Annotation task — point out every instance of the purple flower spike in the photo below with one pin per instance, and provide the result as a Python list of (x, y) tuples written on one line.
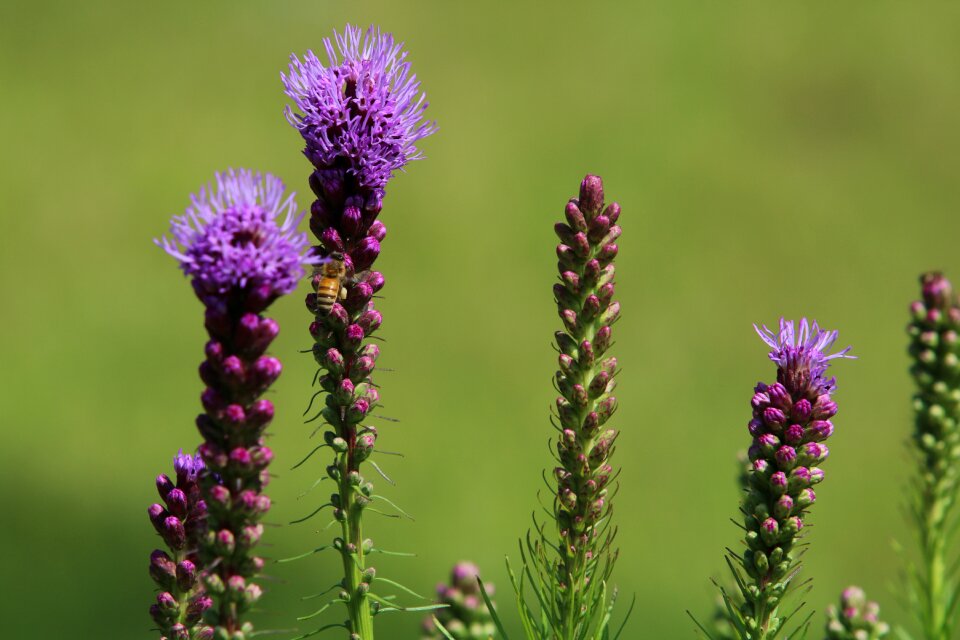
[(363, 109), (239, 244), (466, 616), (795, 410), (360, 114), (177, 571)]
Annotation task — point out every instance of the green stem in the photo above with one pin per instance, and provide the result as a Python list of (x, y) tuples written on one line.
[(934, 557), (361, 618)]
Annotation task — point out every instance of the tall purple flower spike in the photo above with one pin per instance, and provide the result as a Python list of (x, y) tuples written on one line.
[(181, 522), (361, 116), (791, 422), (239, 245)]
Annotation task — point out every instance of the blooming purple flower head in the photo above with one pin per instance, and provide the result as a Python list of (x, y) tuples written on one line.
[(231, 238), (364, 111), (187, 466), (802, 357)]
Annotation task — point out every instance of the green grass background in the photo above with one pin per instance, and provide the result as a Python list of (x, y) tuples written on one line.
[(770, 159)]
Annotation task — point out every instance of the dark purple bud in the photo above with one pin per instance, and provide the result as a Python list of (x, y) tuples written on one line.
[(157, 515), (164, 485), (580, 244), (779, 396), (186, 575), (350, 221), (607, 253), (365, 253), (612, 212), (591, 195), (211, 400), (564, 232), (195, 610), (755, 427), (173, 532), (232, 369), (601, 341), (598, 386), (760, 400), (359, 296), (598, 228), (176, 501), (162, 569), (167, 604)]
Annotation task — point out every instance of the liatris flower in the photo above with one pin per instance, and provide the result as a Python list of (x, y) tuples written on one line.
[(181, 522), (240, 257), (360, 117), (855, 619), (574, 562), (466, 616), (791, 421), (935, 350)]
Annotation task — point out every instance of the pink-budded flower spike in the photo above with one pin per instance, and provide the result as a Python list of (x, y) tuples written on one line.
[(360, 113), (573, 557), (238, 244), (935, 366), (856, 618), (180, 520), (465, 615), (792, 418)]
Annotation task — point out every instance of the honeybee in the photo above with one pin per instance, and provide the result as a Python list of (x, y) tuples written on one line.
[(328, 279)]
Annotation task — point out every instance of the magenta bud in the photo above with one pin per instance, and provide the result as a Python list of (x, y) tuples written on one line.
[(176, 501), (569, 317), (760, 400), (261, 456), (350, 221), (195, 610), (601, 341), (353, 335), (225, 543), (770, 530), (157, 515), (802, 410), (250, 536), (813, 453), (778, 483), (378, 231), (779, 396), (365, 253), (362, 368), (824, 408), (358, 296), (266, 370), (375, 280), (591, 195), (816, 475), (598, 386), (774, 418), (261, 413), (820, 430), (598, 227), (768, 443), (358, 411), (607, 253), (331, 240), (220, 494), (168, 604), (786, 457), (761, 466), (783, 506), (575, 217), (234, 415), (612, 212), (793, 434), (806, 497), (240, 456), (173, 532), (792, 526), (580, 244), (364, 448), (370, 321)]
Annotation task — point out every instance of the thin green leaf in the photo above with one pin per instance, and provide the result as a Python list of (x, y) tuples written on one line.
[(493, 611), (304, 555)]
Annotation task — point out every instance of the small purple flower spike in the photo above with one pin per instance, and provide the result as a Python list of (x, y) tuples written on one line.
[(240, 236), (181, 522), (466, 616), (791, 420), (362, 110), (239, 245)]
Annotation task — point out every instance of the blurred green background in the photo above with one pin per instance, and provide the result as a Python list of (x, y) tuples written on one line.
[(770, 160)]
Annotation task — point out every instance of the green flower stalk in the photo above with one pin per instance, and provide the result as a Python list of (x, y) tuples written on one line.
[(855, 618), (466, 615), (568, 564), (935, 351)]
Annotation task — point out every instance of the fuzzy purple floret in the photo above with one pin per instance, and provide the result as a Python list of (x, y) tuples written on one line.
[(187, 466), (803, 353), (240, 234), (363, 111)]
